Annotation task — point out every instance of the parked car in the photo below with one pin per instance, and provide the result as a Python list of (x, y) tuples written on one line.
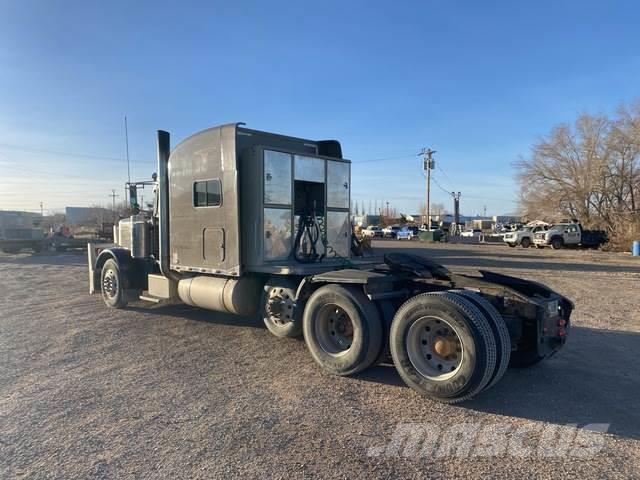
[(390, 232), (569, 235), (404, 234), (523, 236), (471, 232), (372, 231)]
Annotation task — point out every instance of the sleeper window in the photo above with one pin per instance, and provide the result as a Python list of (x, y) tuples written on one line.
[(207, 193)]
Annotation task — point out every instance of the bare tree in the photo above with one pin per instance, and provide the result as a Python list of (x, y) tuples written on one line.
[(588, 171), (437, 209)]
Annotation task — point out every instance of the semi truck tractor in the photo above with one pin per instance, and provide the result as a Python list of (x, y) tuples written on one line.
[(249, 222)]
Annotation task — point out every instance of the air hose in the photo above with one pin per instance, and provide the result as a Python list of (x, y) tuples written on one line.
[(304, 246)]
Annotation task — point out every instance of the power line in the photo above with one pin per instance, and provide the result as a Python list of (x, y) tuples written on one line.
[(445, 174), (448, 192), (386, 158), (67, 154), (52, 174)]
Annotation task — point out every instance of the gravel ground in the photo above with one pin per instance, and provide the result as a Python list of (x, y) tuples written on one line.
[(171, 391)]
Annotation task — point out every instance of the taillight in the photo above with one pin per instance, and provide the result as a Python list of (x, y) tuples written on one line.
[(561, 330)]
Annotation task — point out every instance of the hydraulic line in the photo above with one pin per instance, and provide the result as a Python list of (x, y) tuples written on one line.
[(304, 246)]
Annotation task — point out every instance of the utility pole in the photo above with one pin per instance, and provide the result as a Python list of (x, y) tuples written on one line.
[(126, 141), (41, 209), (113, 196), (428, 165), (456, 208)]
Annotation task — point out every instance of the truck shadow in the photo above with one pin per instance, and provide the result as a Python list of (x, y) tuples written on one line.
[(594, 379), (187, 312)]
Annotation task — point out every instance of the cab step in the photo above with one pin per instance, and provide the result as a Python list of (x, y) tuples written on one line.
[(147, 297)]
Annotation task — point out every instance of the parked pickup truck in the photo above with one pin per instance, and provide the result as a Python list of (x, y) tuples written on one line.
[(372, 231), (523, 237), (569, 235)]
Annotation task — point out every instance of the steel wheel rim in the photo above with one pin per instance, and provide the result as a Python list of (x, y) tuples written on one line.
[(110, 283), (333, 329), (435, 348)]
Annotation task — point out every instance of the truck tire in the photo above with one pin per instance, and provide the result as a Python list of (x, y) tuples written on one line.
[(387, 311), (500, 332), (113, 285), (443, 346), (342, 329), (281, 313), (526, 242), (557, 243)]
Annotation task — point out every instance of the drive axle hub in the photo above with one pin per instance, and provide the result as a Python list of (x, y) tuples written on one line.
[(280, 305)]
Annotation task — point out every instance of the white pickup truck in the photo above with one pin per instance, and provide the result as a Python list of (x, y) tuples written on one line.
[(523, 237), (372, 231), (569, 235)]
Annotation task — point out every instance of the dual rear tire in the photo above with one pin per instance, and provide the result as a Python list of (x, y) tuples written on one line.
[(449, 346), (343, 329)]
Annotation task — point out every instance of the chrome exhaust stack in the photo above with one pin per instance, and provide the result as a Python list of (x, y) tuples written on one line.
[(164, 150)]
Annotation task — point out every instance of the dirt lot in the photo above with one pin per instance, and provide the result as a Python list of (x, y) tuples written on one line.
[(151, 392)]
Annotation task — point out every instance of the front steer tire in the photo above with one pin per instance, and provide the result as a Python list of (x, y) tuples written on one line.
[(342, 329), (113, 285), (422, 323)]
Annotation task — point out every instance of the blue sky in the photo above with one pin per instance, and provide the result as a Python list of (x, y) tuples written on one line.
[(477, 81)]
